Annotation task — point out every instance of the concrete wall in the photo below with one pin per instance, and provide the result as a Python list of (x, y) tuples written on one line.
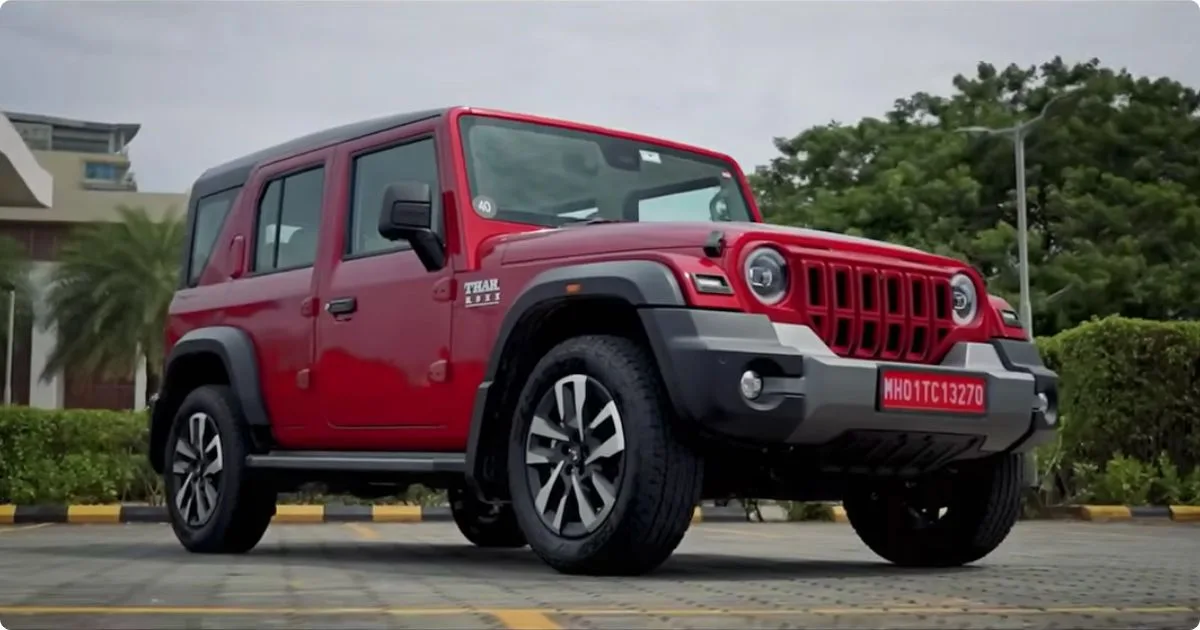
[(23, 180), (73, 202)]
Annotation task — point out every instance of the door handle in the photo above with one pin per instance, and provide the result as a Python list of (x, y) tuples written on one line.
[(341, 306)]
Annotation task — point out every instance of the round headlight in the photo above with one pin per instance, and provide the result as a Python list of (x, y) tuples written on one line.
[(965, 300), (767, 275)]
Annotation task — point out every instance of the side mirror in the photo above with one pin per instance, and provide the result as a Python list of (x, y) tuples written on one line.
[(407, 215)]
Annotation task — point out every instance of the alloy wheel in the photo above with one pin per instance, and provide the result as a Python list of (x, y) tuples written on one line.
[(574, 455), (197, 467)]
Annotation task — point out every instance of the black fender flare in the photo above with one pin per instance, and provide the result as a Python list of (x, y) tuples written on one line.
[(639, 283), (235, 350)]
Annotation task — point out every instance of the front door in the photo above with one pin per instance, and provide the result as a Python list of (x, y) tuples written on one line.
[(382, 337)]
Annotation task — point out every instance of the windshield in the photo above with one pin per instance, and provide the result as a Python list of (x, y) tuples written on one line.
[(543, 175)]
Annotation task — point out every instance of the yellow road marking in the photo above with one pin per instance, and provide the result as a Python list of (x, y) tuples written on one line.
[(886, 610), (529, 618), (224, 610), (9, 530), (525, 620), (362, 531)]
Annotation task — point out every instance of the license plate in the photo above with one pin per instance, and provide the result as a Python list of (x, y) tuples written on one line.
[(931, 391)]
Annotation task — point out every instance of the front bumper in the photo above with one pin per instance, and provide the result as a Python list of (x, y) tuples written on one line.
[(811, 396)]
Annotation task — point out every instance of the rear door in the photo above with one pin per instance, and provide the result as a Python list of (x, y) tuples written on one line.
[(382, 352), (274, 300)]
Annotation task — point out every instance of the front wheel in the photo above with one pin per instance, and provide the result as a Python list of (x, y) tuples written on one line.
[(948, 520), (214, 502), (599, 482)]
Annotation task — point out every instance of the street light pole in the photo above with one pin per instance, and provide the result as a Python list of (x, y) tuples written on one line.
[(1018, 133), (1023, 233), (8, 359)]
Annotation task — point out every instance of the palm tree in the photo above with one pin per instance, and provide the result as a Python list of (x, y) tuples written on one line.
[(109, 296)]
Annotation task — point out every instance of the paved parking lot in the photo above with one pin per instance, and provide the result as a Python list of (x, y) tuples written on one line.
[(1048, 575)]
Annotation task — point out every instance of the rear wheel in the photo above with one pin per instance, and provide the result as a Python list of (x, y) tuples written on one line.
[(485, 524), (599, 482), (214, 502), (944, 521)]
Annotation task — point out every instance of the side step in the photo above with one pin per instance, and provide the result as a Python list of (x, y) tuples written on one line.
[(360, 461)]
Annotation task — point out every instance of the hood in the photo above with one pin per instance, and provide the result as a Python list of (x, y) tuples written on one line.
[(585, 240)]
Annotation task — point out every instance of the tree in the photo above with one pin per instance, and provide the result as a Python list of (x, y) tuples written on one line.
[(110, 293), (1113, 187)]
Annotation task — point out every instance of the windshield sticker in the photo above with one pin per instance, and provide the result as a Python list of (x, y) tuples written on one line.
[(650, 156), (484, 206), (726, 175)]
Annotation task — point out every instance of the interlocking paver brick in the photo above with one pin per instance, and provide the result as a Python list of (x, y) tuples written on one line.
[(763, 575)]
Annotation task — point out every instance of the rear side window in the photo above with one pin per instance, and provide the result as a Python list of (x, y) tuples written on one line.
[(289, 216), (211, 212)]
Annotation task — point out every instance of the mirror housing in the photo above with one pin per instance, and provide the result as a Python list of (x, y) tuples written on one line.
[(407, 215)]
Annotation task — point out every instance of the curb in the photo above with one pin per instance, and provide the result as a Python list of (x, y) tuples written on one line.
[(337, 513), (292, 514), (1106, 513)]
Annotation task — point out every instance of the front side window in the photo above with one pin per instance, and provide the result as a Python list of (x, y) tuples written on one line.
[(372, 173), (543, 175), (289, 215), (210, 218)]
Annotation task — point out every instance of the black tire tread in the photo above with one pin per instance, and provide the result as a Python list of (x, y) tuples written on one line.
[(241, 522), (670, 473), (986, 506)]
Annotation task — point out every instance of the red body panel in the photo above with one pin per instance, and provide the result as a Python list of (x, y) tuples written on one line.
[(401, 373)]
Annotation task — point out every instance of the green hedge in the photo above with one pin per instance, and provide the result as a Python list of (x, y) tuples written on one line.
[(1130, 432), (1130, 413), (86, 456), (74, 456)]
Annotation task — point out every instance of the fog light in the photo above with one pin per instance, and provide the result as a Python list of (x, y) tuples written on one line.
[(1043, 405), (751, 384)]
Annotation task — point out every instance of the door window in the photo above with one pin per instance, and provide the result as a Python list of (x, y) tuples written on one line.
[(289, 218), (372, 172)]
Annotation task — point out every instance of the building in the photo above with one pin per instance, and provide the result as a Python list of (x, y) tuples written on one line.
[(80, 173)]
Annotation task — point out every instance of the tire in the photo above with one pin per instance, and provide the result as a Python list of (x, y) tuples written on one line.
[(483, 524), (982, 502), (243, 507), (646, 491)]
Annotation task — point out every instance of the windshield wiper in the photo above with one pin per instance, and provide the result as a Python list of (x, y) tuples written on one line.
[(592, 221)]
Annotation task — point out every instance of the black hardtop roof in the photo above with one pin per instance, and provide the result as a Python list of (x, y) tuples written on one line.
[(236, 172)]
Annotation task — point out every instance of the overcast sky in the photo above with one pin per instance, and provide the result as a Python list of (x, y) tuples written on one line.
[(209, 81)]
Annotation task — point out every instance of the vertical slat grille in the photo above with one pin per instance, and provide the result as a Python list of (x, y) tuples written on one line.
[(876, 312)]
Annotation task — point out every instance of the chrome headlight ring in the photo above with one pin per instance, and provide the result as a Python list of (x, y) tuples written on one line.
[(767, 275), (965, 299)]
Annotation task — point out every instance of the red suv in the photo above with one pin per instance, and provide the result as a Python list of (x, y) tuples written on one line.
[(580, 333)]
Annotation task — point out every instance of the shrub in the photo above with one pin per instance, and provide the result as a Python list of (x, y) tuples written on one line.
[(82, 456), (76, 456), (808, 511), (1130, 390)]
